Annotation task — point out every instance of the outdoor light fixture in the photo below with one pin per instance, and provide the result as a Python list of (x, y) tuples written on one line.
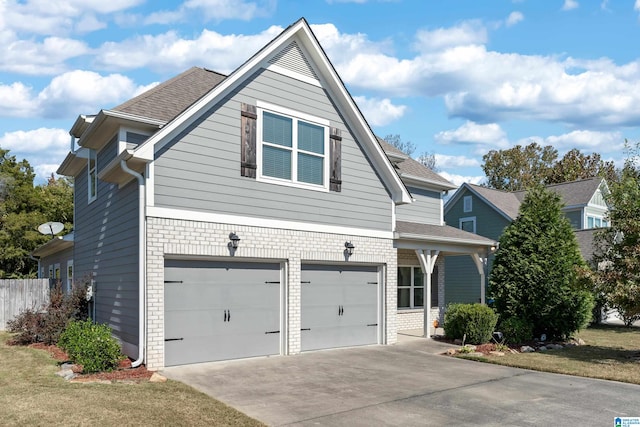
[(349, 248), (235, 240)]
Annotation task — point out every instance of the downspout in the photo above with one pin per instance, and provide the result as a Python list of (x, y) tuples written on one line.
[(141, 262)]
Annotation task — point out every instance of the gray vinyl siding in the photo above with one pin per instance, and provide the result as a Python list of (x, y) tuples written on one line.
[(135, 139), (462, 281), (424, 210), (106, 248), (200, 169), (575, 218), (108, 153)]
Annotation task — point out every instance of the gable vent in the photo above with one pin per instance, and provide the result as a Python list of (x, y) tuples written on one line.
[(292, 58)]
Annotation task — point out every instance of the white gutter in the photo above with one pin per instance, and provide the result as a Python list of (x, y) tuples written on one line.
[(141, 262)]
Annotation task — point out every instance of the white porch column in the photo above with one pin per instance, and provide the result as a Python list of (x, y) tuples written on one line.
[(427, 260), (480, 263)]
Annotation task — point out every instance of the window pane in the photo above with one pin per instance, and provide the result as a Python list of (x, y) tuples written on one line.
[(418, 277), (404, 298), (404, 276), (276, 129), (598, 222), (418, 297), (276, 162), (468, 226), (590, 222), (310, 137), (310, 169)]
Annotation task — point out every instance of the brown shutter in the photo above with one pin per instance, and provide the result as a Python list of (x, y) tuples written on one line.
[(248, 119), (335, 152)]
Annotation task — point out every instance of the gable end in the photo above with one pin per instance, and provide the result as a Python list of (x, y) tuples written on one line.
[(293, 59)]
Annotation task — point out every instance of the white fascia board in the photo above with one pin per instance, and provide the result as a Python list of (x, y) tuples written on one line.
[(425, 182), (171, 213), (440, 239)]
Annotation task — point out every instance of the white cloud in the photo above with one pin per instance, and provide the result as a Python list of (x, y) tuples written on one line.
[(448, 162), (570, 5), (67, 95), (637, 5), (379, 112), (209, 10), (472, 133), (467, 33), (169, 52), (514, 18), (47, 17), (588, 141), (461, 179), (44, 148), (38, 57)]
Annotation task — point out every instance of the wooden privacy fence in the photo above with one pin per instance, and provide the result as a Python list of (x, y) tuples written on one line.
[(17, 295)]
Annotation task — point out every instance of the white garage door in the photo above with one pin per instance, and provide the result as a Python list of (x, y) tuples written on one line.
[(220, 310), (339, 306)]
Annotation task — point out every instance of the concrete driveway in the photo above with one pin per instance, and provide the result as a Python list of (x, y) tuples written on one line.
[(405, 385)]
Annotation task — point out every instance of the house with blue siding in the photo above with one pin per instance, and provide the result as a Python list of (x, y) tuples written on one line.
[(486, 212), (256, 214)]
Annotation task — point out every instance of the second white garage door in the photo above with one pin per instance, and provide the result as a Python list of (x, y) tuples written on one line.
[(340, 306)]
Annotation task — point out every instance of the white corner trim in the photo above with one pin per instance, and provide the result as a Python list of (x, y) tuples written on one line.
[(171, 213), (149, 187)]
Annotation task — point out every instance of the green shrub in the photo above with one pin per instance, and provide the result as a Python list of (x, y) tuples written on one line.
[(91, 345), (476, 321), (47, 324), (516, 330)]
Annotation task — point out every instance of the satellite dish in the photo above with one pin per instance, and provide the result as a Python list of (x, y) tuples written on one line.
[(51, 228)]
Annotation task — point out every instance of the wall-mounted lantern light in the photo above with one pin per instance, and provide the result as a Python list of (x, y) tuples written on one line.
[(348, 248), (235, 240)]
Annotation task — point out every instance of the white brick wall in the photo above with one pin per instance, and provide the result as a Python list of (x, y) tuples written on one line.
[(167, 237)]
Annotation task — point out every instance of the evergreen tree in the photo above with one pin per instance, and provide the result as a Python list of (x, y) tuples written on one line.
[(534, 276)]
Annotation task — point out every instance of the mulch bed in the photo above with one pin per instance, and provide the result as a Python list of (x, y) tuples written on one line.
[(124, 372)]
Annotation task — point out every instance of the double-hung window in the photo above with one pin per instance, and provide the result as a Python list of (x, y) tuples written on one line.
[(411, 284), (293, 148)]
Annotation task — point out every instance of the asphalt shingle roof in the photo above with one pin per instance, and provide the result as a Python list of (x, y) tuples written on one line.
[(440, 231), (168, 99), (411, 166), (503, 200)]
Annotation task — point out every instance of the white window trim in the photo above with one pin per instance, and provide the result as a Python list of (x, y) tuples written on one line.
[(595, 217), (295, 115), (468, 208), (412, 305), (92, 197), (468, 219), (69, 276)]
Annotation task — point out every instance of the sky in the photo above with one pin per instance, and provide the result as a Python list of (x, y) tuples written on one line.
[(457, 78)]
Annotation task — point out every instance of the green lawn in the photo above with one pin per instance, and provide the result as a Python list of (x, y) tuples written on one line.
[(31, 394), (610, 353)]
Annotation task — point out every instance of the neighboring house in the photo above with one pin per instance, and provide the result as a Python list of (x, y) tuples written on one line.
[(254, 214), (487, 212)]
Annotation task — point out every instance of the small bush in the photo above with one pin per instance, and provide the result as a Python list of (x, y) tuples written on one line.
[(516, 330), (47, 324), (91, 345), (476, 321)]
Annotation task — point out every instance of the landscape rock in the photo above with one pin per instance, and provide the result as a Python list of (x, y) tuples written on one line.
[(67, 374), (554, 346), (157, 378), (496, 353), (542, 348), (451, 351), (526, 349)]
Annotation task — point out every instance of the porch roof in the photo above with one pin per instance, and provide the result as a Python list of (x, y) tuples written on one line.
[(444, 238)]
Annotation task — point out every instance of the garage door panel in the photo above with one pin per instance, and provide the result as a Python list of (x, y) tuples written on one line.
[(220, 310), (339, 306)]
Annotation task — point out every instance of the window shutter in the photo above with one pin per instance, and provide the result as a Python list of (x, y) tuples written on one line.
[(335, 150), (248, 117)]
